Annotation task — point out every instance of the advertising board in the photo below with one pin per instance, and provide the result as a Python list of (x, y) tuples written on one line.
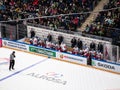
[(71, 58), (16, 45), (42, 51), (106, 66)]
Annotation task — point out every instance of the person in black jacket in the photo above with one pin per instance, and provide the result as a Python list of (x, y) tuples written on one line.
[(89, 59), (79, 44), (60, 39), (32, 32), (49, 37), (100, 47), (12, 61), (92, 46), (73, 42)]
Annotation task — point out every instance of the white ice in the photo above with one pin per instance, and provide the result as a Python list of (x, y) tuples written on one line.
[(34, 72)]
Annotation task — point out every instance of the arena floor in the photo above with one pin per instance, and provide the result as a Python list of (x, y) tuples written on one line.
[(34, 72)]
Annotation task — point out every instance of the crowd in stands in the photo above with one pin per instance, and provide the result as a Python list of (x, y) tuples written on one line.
[(107, 22), (21, 9), (77, 46)]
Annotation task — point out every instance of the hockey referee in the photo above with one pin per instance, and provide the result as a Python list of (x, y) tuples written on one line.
[(12, 61)]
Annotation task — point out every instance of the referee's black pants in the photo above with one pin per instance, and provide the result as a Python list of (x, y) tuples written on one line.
[(12, 63)]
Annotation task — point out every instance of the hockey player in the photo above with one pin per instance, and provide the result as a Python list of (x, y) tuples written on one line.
[(63, 47), (75, 50), (48, 44)]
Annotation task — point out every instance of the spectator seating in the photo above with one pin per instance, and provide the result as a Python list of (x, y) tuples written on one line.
[(21, 9), (107, 23)]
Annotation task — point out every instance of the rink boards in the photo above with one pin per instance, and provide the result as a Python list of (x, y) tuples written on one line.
[(102, 65)]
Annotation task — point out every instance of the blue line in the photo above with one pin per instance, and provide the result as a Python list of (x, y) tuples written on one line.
[(22, 70)]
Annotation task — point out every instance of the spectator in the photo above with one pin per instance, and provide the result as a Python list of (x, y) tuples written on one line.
[(87, 29)]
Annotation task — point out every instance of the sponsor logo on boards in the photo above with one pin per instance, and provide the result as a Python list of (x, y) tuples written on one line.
[(106, 66)]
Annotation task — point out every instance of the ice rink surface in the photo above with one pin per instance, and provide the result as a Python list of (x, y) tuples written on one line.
[(34, 72)]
